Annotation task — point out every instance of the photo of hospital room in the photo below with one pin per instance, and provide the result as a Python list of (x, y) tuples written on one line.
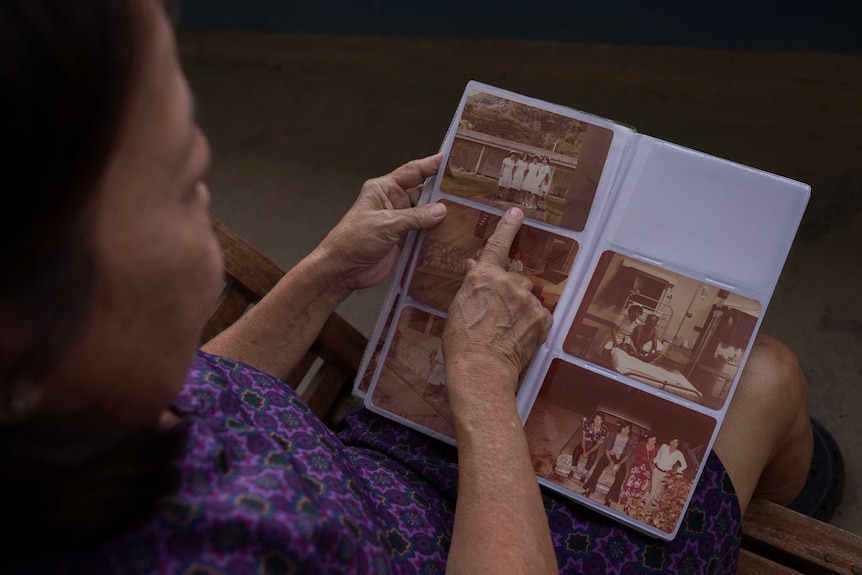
[(663, 329), (542, 257)]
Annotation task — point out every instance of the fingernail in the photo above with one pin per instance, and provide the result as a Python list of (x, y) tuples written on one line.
[(437, 209)]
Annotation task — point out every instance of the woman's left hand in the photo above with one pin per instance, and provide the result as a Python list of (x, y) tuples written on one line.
[(364, 246), (358, 253)]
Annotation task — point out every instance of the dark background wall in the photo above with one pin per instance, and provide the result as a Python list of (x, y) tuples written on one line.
[(773, 25)]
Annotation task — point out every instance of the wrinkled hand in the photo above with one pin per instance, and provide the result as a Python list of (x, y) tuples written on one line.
[(365, 244), (494, 320)]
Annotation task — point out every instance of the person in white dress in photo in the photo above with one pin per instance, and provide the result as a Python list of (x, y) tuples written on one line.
[(545, 172), (531, 183), (668, 460), (505, 182), (518, 178)]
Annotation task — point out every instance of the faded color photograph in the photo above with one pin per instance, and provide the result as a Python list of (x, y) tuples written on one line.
[(664, 329), (368, 373), (542, 257), (412, 381), (506, 153), (616, 445)]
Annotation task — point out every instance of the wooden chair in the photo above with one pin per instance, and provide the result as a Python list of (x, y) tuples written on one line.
[(776, 540)]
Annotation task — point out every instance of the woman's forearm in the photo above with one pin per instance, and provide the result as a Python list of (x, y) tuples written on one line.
[(500, 522), (358, 252), (274, 334)]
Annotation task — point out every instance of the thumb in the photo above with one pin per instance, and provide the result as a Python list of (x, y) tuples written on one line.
[(422, 217)]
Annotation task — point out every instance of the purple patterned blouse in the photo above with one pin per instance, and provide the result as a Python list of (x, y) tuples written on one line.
[(268, 488)]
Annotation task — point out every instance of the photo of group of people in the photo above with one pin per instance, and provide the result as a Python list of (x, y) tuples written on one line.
[(617, 445), (542, 257), (508, 153), (525, 180), (663, 329)]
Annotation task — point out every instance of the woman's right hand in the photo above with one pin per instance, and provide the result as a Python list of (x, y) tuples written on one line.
[(493, 329), (495, 323)]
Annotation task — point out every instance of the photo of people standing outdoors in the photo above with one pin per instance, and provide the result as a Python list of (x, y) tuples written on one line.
[(509, 153), (615, 445)]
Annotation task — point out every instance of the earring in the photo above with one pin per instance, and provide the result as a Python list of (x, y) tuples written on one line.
[(19, 402), (17, 405)]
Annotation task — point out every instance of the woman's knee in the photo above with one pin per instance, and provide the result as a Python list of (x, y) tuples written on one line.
[(765, 439), (773, 378)]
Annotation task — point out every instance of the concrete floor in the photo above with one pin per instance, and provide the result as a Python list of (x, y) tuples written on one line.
[(297, 123)]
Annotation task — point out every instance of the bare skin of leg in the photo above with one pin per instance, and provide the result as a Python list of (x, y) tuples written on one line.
[(766, 440)]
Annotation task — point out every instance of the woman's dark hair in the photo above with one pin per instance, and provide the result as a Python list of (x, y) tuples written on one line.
[(67, 68), (65, 75)]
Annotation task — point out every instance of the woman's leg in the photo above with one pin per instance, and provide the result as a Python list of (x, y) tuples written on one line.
[(765, 441)]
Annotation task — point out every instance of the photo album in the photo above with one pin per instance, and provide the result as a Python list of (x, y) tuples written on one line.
[(657, 262)]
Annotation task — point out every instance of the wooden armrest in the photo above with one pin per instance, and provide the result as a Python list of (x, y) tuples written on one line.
[(776, 539), (329, 366)]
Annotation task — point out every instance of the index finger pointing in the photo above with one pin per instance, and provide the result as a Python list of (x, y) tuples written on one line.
[(497, 249)]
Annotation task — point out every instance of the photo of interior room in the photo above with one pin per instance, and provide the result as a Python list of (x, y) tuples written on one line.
[(545, 258), (696, 334)]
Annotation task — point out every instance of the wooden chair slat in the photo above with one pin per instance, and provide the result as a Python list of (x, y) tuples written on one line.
[(325, 388), (341, 341), (752, 564), (233, 303), (301, 370), (244, 262), (794, 539)]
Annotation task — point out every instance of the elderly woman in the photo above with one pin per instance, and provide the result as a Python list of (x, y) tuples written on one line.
[(127, 449)]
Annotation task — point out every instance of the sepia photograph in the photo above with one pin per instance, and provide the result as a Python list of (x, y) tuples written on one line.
[(371, 367), (617, 445), (542, 257), (412, 380), (663, 329), (507, 153)]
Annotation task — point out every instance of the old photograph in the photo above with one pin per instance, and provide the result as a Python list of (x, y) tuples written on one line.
[(412, 380), (617, 445), (509, 153), (663, 328), (542, 257)]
